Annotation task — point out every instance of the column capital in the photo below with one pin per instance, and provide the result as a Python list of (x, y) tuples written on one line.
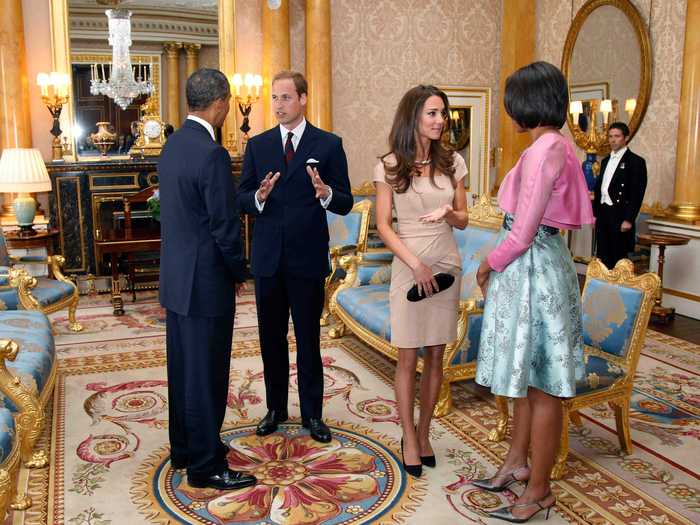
[(192, 49), (172, 48)]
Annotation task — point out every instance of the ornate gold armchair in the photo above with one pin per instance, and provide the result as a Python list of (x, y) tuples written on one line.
[(616, 309), (46, 294), (348, 234)]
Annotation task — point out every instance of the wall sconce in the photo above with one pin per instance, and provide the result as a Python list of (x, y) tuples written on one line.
[(630, 106), (54, 93), (251, 85)]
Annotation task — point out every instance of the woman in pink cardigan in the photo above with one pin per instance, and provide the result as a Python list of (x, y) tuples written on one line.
[(531, 345)]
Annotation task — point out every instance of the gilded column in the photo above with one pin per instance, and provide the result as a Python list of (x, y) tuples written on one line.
[(686, 198), (15, 123), (227, 64), (517, 50), (192, 55), (172, 56), (276, 50), (318, 63)]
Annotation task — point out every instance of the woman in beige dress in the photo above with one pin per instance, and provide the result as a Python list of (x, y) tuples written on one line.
[(422, 181)]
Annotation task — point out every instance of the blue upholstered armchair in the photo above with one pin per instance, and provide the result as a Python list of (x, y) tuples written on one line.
[(19, 290), (616, 309), (348, 235)]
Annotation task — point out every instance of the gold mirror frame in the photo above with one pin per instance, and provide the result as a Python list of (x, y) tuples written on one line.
[(61, 58), (640, 30)]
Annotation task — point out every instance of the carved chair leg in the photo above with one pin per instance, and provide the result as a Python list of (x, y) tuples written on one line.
[(575, 417), (622, 422), (499, 433), (560, 460), (444, 402), (74, 325), (337, 331)]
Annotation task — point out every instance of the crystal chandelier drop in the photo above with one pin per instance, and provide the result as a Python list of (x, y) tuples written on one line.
[(121, 85)]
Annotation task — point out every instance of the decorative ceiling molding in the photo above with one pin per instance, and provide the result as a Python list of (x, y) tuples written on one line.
[(200, 26)]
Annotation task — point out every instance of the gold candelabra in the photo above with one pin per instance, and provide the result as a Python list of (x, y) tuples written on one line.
[(251, 84), (54, 93), (594, 138)]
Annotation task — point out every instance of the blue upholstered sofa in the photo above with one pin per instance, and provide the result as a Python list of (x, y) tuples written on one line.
[(27, 374), (361, 302)]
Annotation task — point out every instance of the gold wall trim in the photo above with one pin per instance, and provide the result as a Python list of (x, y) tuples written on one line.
[(640, 30), (682, 295), (132, 184), (81, 220)]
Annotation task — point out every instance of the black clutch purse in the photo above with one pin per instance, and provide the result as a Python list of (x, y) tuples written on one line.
[(444, 281)]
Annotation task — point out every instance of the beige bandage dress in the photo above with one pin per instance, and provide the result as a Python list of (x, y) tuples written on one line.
[(432, 321)]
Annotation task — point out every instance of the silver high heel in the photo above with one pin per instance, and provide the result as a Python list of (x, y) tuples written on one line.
[(506, 513), (486, 484)]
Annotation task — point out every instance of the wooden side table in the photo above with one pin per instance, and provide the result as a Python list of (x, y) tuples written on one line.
[(662, 313), (42, 239)]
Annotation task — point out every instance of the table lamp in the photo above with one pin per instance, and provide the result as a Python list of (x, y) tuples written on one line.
[(22, 171)]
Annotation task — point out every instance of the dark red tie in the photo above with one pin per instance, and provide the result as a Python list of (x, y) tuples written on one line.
[(289, 148)]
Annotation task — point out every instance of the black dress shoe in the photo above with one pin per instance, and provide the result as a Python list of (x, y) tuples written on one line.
[(225, 480), (269, 423), (318, 430)]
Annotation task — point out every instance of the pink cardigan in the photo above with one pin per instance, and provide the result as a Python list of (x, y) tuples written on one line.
[(546, 186)]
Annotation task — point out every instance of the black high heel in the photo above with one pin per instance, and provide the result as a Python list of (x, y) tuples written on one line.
[(413, 470), (428, 461)]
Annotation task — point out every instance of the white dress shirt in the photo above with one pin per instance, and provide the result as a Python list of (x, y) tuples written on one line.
[(204, 123), (296, 138), (610, 168)]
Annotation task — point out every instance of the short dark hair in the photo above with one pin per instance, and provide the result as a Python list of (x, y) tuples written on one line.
[(622, 127), (204, 87), (299, 81), (537, 95)]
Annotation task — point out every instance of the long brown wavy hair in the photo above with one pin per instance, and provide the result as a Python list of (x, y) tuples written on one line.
[(402, 141)]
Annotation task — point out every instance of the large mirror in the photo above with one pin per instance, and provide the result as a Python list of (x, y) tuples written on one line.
[(168, 38), (607, 63), (186, 28)]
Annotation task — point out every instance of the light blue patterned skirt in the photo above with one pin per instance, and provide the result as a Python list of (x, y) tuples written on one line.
[(531, 333)]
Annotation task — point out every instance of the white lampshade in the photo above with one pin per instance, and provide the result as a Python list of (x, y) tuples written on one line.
[(606, 106), (575, 107), (630, 104), (22, 170)]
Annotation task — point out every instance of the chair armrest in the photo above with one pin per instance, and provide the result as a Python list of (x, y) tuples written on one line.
[(20, 279), (30, 411), (337, 251), (55, 263)]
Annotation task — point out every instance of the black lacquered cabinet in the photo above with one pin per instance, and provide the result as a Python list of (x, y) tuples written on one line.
[(86, 197)]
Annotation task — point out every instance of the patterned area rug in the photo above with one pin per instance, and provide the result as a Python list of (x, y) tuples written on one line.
[(109, 454)]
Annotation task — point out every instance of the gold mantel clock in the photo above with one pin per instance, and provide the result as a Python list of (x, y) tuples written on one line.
[(151, 133)]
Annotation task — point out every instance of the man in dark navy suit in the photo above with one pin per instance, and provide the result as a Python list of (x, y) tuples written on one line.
[(618, 196), (292, 174), (201, 270)]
